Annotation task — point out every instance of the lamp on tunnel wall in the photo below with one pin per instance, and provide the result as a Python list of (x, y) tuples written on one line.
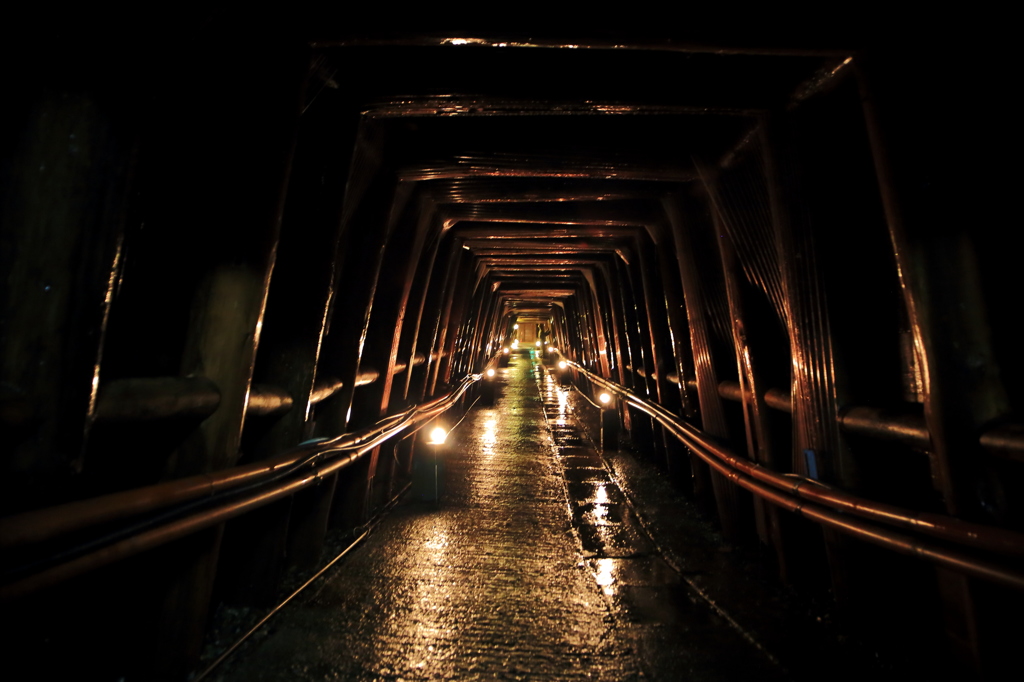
[(437, 436), (609, 422), (428, 466), (563, 372), (551, 355), (488, 387)]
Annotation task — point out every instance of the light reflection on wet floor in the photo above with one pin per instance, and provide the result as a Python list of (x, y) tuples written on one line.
[(503, 579)]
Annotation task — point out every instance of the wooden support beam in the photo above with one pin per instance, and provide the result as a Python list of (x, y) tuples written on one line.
[(64, 189), (712, 414), (941, 283), (236, 207)]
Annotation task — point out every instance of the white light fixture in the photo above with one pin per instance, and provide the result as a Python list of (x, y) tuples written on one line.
[(490, 372), (604, 398), (437, 436)]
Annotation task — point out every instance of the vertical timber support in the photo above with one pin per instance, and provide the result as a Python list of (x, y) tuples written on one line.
[(680, 467), (960, 381), (712, 414), (752, 388), (63, 201), (818, 450), (657, 296), (242, 210)]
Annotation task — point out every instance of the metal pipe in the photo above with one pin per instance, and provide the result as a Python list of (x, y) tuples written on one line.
[(325, 388), (400, 367), (937, 525), (367, 440), (366, 376), (774, 398), (778, 399), (1006, 441), (144, 399), (907, 426), (148, 540), (267, 400), (870, 532), (152, 398), (45, 524)]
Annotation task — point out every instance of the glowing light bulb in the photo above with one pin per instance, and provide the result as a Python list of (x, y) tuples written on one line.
[(505, 350), (562, 364), (490, 372), (437, 436), (605, 398)]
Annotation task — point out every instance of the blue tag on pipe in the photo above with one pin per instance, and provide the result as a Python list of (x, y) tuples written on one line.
[(811, 460)]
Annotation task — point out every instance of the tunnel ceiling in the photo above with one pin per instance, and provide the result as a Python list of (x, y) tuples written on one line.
[(546, 160)]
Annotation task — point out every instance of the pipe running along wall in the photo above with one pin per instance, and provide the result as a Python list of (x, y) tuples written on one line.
[(833, 508), (222, 496)]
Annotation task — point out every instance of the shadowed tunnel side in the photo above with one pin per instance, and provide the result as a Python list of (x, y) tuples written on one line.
[(244, 275)]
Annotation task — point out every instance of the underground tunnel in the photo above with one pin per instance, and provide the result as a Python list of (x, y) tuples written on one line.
[(714, 345)]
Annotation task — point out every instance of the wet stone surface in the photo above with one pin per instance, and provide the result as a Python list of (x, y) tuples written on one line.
[(531, 566)]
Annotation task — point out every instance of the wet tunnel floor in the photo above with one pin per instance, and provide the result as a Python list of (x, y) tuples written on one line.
[(532, 566)]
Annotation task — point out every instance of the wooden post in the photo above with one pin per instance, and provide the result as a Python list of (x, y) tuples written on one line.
[(655, 301), (682, 356), (237, 219), (752, 388), (940, 280), (818, 450), (712, 414), (300, 301), (63, 198)]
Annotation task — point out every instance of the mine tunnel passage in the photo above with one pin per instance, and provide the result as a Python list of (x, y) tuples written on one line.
[(498, 577), (246, 272)]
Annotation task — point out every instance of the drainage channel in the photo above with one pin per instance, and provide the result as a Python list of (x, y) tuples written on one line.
[(675, 630)]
